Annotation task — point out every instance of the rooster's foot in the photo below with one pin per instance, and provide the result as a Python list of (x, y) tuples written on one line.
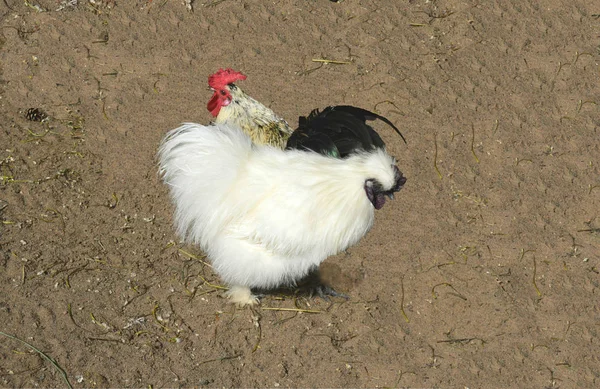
[(324, 292), (242, 296)]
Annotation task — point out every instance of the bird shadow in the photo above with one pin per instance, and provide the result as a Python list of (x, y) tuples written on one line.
[(312, 286)]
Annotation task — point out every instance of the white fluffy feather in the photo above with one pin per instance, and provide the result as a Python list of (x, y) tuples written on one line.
[(265, 216)]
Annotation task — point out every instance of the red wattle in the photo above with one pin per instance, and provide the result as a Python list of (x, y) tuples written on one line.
[(213, 105)]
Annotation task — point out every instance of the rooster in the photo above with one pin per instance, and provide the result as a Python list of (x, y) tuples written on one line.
[(266, 217), (230, 105)]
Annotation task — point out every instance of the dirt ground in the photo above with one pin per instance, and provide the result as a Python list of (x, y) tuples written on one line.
[(483, 273)]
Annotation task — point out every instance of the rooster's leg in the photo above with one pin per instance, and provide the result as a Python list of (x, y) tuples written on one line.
[(241, 295)]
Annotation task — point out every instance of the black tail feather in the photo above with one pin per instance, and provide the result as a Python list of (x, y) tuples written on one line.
[(368, 115), (338, 131)]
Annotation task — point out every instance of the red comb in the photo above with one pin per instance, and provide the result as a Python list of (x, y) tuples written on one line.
[(224, 77)]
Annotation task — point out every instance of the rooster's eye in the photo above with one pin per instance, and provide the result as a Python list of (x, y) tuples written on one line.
[(223, 93)]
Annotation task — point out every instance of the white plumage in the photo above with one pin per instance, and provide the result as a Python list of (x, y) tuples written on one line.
[(265, 216)]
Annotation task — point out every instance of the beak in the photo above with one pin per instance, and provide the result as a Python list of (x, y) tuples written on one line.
[(390, 195)]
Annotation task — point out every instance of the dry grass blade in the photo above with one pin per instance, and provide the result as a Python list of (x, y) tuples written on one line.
[(581, 103), (330, 61), (213, 3), (523, 252), (220, 359), (291, 310), (473, 143), (435, 154), (192, 256), (592, 230), (70, 312), (533, 278), (402, 301), (461, 340), (43, 355), (256, 317), (212, 285), (457, 293)]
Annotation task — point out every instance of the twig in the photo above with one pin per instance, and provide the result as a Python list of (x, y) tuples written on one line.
[(44, 355)]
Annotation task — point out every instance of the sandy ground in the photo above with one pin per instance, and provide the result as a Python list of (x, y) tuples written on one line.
[(483, 273)]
